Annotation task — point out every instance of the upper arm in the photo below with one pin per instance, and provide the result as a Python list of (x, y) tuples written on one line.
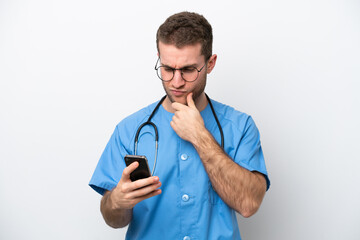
[(248, 151)]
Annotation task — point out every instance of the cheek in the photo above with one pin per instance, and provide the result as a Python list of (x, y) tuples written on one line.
[(200, 84), (194, 88), (165, 84)]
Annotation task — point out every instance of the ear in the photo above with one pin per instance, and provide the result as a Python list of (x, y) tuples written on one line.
[(211, 63), (158, 54)]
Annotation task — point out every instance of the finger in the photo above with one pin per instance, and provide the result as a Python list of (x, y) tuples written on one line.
[(144, 182), (177, 115), (144, 191), (132, 186), (173, 125), (190, 100), (129, 169), (177, 106), (152, 194)]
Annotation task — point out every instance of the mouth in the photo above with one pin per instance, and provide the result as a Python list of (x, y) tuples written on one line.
[(178, 93)]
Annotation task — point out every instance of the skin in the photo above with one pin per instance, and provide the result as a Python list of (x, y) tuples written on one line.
[(116, 205), (177, 89), (241, 189)]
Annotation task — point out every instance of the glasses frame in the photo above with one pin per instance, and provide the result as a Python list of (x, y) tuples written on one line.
[(180, 69)]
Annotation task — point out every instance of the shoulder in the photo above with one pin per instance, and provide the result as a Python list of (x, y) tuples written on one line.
[(230, 116)]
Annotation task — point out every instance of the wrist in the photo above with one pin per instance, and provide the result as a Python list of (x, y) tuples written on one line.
[(111, 200), (207, 147), (202, 140), (113, 203)]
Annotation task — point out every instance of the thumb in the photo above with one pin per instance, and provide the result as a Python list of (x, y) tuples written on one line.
[(128, 170), (190, 101)]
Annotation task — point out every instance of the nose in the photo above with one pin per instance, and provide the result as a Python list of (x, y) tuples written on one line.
[(177, 80)]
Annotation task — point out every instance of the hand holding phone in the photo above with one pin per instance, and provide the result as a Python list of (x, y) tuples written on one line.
[(142, 171), (128, 193)]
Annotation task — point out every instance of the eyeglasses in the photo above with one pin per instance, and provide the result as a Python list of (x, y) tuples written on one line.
[(166, 73)]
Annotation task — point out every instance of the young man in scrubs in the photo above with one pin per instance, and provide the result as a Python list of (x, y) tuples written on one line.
[(197, 186)]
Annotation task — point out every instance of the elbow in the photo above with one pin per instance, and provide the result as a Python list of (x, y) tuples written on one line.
[(249, 209), (116, 225), (250, 205), (247, 212)]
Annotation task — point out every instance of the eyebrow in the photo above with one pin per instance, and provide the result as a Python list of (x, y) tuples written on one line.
[(186, 66)]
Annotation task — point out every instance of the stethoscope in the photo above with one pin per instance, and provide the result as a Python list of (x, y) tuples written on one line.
[(149, 122)]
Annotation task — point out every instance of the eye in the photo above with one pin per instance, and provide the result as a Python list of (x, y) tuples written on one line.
[(167, 69), (188, 70)]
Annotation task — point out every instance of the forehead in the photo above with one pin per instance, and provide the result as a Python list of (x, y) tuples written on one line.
[(178, 57)]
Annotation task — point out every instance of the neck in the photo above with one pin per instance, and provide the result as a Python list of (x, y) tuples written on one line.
[(200, 103)]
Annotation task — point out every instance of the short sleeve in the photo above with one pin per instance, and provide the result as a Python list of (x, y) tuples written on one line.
[(109, 169), (249, 153)]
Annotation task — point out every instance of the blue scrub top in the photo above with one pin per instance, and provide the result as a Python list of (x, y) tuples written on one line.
[(188, 207)]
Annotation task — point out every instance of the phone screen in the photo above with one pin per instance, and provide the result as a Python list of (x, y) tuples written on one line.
[(142, 171)]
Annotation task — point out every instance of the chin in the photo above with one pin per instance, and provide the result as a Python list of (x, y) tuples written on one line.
[(181, 100)]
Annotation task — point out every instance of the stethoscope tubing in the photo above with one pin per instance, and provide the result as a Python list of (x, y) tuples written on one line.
[(149, 122)]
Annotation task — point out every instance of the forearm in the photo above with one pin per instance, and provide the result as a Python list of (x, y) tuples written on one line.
[(114, 217), (241, 189)]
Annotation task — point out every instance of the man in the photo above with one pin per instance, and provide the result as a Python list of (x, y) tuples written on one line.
[(197, 185)]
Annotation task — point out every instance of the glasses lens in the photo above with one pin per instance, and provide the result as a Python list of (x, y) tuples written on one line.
[(189, 74), (165, 73)]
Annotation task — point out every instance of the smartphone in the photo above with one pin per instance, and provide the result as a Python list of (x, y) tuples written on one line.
[(142, 171)]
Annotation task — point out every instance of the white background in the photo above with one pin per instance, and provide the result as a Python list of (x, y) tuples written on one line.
[(71, 70)]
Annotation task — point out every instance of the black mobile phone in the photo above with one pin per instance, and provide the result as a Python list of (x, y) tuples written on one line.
[(142, 171)]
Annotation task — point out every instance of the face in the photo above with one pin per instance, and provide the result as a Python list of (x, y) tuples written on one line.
[(177, 89)]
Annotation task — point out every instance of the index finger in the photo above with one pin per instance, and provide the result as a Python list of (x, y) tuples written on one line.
[(129, 169), (177, 106), (190, 100)]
